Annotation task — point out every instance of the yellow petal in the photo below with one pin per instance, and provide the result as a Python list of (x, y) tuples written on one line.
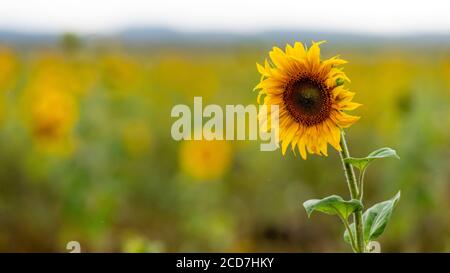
[(289, 136), (346, 120), (289, 49), (314, 53), (278, 57), (299, 50), (349, 105), (301, 148), (335, 135), (323, 148), (261, 69)]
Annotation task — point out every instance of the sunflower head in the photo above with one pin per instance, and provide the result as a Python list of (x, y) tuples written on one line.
[(311, 97), (205, 160)]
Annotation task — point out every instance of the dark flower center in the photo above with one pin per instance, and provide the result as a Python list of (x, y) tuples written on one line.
[(308, 101)]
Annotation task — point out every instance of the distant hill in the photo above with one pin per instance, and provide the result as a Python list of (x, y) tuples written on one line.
[(26, 37), (166, 35)]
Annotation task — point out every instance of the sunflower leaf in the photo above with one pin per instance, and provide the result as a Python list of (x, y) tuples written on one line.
[(375, 219), (347, 235), (362, 163), (333, 205)]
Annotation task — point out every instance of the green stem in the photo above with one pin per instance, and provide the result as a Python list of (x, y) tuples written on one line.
[(361, 183), (350, 233), (354, 192)]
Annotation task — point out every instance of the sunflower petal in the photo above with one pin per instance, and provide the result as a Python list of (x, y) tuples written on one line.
[(302, 149)]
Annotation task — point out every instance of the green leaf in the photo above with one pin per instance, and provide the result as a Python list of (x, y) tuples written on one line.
[(333, 205), (362, 163), (347, 236), (375, 219)]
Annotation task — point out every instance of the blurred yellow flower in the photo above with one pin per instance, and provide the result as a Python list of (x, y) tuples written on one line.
[(8, 68), (50, 101), (53, 114), (310, 95), (205, 160), (54, 71)]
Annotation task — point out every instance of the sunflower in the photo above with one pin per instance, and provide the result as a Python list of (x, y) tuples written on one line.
[(310, 95), (205, 160)]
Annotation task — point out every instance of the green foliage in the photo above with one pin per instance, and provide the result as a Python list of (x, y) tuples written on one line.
[(333, 205), (362, 163), (375, 219), (120, 178)]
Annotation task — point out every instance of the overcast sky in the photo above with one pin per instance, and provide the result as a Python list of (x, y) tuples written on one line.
[(94, 16)]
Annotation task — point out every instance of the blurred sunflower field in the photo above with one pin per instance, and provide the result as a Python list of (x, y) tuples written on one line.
[(86, 152)]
